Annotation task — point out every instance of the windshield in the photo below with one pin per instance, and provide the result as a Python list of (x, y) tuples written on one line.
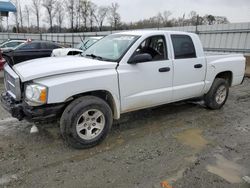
[(110, 48), (11, 44), (20, 45)]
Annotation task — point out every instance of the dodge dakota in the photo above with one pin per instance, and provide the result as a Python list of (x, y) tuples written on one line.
[(120, 73)]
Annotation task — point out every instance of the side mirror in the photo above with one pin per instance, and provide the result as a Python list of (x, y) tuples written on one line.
[(140, 58)]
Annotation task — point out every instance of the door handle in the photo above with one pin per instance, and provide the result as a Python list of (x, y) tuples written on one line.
[(164, 69), (198, 66)]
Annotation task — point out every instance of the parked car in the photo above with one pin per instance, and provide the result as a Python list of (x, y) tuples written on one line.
[(2, 61), (62, 52), (80, 48), (89, 41), (121, 73), (29, 50), (11, 43)]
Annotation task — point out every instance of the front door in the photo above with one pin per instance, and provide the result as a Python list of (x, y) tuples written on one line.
[(147, 84)]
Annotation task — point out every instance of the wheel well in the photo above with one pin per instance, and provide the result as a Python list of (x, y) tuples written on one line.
[(227, 75), (105, 95)]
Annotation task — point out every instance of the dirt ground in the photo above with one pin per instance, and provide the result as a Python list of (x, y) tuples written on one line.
[(182, 145)]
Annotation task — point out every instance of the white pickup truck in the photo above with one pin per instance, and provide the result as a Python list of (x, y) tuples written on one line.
[(120, 73)]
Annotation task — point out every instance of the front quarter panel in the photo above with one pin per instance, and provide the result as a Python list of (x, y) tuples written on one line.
[(63, 87)]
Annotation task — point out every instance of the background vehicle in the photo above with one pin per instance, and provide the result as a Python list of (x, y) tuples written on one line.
[(87, 42), (61, 52), (29, 50), (12, 43), (80, 48), (121, 73), (2, 61)]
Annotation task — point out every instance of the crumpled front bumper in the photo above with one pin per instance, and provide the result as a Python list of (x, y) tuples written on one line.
[(20, 110), (14, 108)]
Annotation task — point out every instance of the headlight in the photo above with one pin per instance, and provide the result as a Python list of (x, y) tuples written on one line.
[(36, 95)]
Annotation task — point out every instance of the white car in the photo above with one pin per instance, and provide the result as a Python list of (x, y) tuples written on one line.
[(62, 52), (121, 73), (80, 48)]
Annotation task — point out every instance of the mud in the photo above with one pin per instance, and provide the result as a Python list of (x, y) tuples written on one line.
[(229, 170), (183, 145)]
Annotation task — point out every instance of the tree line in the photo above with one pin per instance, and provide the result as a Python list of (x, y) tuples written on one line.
[(84, 15)]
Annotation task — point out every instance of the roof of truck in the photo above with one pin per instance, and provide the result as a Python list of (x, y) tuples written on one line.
[(146, 32)]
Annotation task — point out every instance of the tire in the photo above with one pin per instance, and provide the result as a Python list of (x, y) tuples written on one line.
[(218, 94), (86, 122)]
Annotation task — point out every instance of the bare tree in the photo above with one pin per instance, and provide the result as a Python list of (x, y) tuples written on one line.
[(166, 14), (36, 9), (59, 15), (92, 14), (193, 18), (159, 19), (221, 20), (71, 11), (85, 4), (101, 16), (27, 15), (16, 15), (49, 5), (78, 14), (114, 16)]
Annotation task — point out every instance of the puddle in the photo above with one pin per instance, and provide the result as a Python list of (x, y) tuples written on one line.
[(192, 138), (228, 170)]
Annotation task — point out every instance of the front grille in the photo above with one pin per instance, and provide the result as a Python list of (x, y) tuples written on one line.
[(12, 83)]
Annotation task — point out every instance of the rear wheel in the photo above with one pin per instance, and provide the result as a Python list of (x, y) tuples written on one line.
[(86, 122), (218, 94)]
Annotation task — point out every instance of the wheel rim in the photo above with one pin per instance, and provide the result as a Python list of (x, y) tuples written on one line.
[(221, 94), (90, 124)]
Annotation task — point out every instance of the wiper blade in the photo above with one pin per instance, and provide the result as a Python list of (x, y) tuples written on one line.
[(94, 56)]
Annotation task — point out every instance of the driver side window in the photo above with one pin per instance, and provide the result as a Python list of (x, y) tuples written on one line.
[(154, 46)]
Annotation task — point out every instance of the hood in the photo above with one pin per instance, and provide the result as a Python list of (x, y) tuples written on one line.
[(43, 67)]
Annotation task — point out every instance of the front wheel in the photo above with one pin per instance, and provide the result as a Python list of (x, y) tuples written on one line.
[(218, 94), (86, 122)]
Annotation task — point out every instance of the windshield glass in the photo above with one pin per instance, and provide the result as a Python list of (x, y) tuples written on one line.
[(20, 45), (110, 48)]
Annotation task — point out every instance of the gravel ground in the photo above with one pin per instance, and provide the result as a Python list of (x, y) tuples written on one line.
[(181, 145)]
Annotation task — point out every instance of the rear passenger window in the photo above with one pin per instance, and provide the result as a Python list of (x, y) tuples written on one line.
[(183, 47), (30, 46), (49, 46)]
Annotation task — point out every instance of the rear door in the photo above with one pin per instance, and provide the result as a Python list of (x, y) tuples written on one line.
[(189, 69)]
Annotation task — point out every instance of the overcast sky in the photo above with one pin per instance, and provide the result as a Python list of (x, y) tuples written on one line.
[(234, 10)]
